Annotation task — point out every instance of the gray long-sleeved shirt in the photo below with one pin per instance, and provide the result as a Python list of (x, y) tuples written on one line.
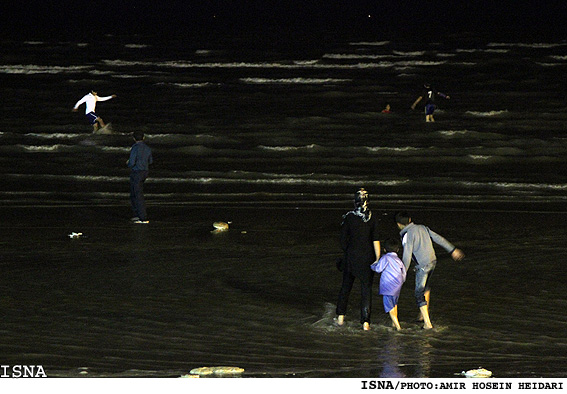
[(416, 240)]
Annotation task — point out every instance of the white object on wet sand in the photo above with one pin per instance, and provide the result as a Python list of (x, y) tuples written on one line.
[(220, 226), (216, 371), (477, 373)]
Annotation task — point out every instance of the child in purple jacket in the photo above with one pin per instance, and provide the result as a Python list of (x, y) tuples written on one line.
[(393, 275)]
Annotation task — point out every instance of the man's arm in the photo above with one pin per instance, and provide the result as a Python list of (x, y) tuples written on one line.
[(408, 251), (456, 254), (105, 98), (416, 102), (78, 103), (132, 160)]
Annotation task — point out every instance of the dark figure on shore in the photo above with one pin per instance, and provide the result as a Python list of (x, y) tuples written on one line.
[(417, 241), (139, 161), (359, 241)]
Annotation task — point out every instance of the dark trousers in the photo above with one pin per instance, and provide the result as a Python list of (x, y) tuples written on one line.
[(365, 293), (137, 179)]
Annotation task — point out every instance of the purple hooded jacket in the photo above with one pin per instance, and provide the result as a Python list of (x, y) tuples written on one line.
[(393, 274)]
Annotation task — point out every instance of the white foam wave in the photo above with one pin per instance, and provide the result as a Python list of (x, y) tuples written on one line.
[(54, 135), (236, 177), (392, 149), (135, 46), (482, 50), (487, 113), (367, 43), (351, 56), (63, 148), (314, 81), (128, 76), (115, 149), (410, 54), (288, 148), (49, 148), (190, 85), (29, 69), (517, 185), (452, 133), (267, 65), (305, 62), (526, 45)]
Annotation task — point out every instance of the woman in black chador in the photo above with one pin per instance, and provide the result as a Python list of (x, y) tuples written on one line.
[(359, 241)]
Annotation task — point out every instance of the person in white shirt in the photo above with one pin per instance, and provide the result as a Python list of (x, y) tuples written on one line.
[(90, 101)]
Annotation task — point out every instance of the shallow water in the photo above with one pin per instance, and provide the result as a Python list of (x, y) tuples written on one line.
[(276, 143), (162, 299)]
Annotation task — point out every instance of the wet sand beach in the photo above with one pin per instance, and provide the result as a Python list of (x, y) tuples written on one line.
[(158, 300)]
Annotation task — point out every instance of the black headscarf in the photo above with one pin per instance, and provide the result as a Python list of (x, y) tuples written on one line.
[(361, 205)]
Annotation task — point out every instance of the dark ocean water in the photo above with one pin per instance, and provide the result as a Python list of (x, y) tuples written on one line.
[(277, 142)]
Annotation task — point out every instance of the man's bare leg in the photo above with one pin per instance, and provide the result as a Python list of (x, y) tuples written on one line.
[(427, 295), (394, 316), (425, 312)]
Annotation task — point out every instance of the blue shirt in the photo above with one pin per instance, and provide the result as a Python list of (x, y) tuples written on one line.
[(140, 157)]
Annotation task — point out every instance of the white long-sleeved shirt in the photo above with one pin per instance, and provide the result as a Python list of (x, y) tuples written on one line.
[(90, 101)]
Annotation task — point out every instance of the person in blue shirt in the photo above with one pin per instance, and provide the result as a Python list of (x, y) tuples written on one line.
[(139, 161)]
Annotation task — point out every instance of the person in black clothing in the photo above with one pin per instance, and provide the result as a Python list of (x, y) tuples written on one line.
[(359, 241), (429, 94), (139, 161)]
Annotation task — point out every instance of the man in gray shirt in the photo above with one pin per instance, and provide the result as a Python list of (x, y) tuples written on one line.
[(417, 241)]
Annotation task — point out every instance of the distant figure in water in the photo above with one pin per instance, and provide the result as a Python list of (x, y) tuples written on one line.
[(387, 110), (139, 161), (417, 241), (429, 94), (361, 246), (90, 101), (393, 275)]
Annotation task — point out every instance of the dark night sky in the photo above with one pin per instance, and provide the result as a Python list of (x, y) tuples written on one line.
[(289, 19)]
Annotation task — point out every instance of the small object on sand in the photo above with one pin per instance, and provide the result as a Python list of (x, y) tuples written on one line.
[(477, 373), (203, 371), (220, 226), (75, 235)]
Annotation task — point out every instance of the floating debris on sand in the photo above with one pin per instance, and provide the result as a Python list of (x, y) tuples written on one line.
[(220, 226)]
